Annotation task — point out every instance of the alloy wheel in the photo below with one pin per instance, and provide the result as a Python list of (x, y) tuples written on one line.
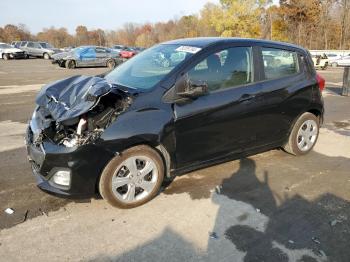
[(134, 179), (307, 135)]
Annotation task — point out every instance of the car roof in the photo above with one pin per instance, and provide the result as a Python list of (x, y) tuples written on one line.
[(206, 41)]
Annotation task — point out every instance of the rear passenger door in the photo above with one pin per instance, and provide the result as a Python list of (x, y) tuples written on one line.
[(29, 48), (101, 56), (226, 120), (287, 90), (38, 49)]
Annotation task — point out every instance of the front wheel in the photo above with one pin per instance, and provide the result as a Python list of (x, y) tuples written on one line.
[(70, 64), (46, 56), (334, 64), (304, 135), (5, 56), (110, 64), (133, 178)]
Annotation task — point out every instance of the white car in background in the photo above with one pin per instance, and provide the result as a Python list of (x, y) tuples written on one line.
[(343, 61), (8, 52)]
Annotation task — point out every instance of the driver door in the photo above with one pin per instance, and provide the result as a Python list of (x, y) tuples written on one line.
[(87, 57), (226, 120)]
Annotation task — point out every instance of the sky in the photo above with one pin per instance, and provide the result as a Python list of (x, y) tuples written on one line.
[(104, 14)]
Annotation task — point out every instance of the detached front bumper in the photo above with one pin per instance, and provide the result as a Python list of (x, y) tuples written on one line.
[(84, 163)]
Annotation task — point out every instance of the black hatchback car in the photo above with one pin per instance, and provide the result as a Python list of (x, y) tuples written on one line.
[(175, 107)]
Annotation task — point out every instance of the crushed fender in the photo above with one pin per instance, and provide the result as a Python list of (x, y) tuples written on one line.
[(76, 110)]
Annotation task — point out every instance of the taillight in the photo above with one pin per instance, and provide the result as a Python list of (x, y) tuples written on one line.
[(321, 82)]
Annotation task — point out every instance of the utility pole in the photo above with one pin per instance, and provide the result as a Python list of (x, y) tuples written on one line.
[(346, 81)]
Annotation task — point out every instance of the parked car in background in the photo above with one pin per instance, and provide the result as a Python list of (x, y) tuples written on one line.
[(7, 52), (320, 61), (220, 99), (37, 49), (87, 56), (119, 48), (128, 53), (343, 61)]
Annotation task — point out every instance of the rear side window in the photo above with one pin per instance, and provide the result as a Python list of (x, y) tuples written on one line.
[(279, 63), (30, 44), (101, 50)]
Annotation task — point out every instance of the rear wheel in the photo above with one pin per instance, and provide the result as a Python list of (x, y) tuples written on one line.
[(304, 135), (70, 64), (5, 56), (133, 178), (334, 64)]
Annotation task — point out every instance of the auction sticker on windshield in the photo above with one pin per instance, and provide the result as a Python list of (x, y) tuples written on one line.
[(188, 49)]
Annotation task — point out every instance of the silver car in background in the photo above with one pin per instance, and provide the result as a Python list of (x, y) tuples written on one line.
[(36, 49)]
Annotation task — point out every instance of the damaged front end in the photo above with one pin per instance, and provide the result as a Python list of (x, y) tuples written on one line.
[(62, 136), (75, 111)]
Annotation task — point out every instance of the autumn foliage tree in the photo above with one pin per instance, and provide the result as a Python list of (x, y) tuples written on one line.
[(315, 24)]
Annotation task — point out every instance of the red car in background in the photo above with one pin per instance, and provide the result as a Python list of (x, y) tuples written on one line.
[(128, 53)]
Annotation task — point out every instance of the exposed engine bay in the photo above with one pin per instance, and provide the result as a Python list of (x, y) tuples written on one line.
[(77, 111)]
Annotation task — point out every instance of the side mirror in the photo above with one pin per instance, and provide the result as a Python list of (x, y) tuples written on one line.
[(191, 89)]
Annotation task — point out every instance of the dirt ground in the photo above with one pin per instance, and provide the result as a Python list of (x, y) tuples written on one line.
[(267, 207)]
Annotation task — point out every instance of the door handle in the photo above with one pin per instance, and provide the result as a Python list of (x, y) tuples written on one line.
[(246, 97)]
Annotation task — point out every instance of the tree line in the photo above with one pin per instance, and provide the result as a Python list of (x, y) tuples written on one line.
[(314, 24)]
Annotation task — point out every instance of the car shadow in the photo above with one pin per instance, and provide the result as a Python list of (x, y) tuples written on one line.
[(253, 223)]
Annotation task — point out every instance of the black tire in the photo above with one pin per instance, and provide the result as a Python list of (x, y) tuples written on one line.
[(46, 56), (70, 64), (5, 56), (105, 183), (292, 145), (111, 64)]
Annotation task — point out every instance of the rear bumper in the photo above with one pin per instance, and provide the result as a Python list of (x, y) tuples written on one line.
[(85, 164)]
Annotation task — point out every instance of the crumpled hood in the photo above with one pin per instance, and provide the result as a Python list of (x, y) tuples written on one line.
[(71, 97)]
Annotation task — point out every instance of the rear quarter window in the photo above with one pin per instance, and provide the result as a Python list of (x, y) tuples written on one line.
[(279, 63)]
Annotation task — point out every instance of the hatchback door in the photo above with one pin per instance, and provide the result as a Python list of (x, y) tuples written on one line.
[(225, 121)]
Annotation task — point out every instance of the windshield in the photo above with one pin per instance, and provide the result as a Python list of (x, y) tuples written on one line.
[(148, 68), (5, 46), (46, 45)]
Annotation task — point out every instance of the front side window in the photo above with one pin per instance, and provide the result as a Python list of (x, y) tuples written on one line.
[(30, 44), (148, 68), (45, 45), (279, 63), (224, 69)]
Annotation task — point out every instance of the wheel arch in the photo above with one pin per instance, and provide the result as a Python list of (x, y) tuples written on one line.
[(315, 110)]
